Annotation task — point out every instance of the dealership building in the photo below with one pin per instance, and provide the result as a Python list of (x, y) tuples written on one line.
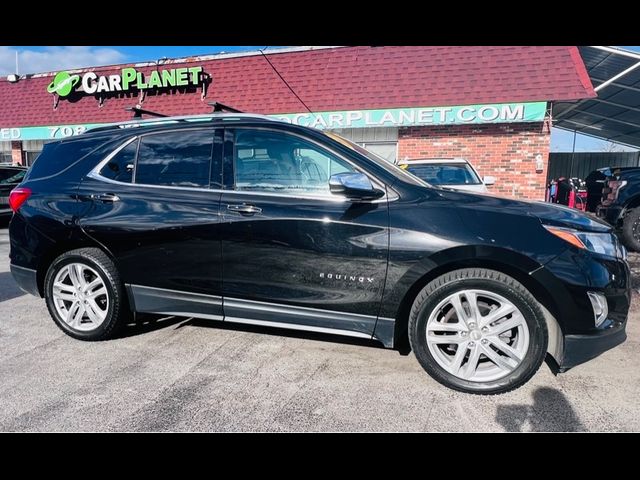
[(490, 105)]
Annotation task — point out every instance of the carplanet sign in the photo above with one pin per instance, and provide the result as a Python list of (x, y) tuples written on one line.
[(406, 117), (90, 83)]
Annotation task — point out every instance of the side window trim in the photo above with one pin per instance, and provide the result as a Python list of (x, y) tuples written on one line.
[(230, 174), (135, 161), (95, 172)]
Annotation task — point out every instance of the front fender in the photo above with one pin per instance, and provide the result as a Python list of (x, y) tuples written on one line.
[(404, 276)]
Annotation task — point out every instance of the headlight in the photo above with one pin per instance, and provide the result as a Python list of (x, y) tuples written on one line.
[(603, 243)]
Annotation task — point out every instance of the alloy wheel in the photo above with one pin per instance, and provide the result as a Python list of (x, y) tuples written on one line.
[(80, 297), (477, 335)]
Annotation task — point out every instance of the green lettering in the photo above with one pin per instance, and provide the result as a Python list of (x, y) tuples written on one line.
[(195, 75), (154, 80), (140, 81), (169, 78), (181, 77), (128, 74)]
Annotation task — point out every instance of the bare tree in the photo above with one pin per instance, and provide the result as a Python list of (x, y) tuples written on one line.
[(611, 147)]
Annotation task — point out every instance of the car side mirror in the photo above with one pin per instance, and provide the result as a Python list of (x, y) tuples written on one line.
[(355, 186), (489, 180)]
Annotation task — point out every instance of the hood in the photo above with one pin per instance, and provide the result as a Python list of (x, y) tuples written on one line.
[(548, 213)]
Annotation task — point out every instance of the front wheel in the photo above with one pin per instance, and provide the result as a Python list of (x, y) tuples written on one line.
[(478, 331), (85, 296)]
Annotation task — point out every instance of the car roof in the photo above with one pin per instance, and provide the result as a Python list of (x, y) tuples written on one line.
[(420, 161), (181, 121)]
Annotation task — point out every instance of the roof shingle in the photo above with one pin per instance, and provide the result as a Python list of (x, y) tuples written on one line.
[(341, 78)]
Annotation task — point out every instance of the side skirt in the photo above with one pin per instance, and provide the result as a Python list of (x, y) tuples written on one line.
[(212, 307)]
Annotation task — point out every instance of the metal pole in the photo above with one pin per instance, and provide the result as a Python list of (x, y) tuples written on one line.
[(17, 72), (573, 153)]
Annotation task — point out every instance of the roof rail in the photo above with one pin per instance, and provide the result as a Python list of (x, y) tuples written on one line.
[(180, 119)]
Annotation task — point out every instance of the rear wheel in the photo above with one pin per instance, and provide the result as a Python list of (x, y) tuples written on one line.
[(85, 296), (631, 230), (478, 331)]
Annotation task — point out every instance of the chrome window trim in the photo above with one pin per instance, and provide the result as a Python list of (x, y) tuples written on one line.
[(95, 172)]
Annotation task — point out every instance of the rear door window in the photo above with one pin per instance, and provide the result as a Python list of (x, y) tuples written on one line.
[(181, 158)]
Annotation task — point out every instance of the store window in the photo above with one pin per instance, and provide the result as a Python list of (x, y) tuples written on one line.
[(383, 141), (386, 150), (5, 152)]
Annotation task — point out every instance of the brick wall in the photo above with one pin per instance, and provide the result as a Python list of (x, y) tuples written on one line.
[(505, 151)]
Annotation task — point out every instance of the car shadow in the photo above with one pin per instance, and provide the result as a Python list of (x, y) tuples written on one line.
[(8, 287), (550, 412), (145, 323), (280, 332)]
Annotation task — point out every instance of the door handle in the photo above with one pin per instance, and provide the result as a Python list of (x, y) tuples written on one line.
[(106, 197), (244, 209)]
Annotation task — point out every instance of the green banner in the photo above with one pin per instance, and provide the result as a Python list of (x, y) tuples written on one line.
[(423, 116), (393, 117)]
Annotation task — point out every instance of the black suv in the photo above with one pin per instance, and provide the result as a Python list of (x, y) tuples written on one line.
[(251, 220)]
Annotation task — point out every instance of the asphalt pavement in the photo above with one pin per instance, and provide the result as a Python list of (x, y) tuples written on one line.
[(177, 374)]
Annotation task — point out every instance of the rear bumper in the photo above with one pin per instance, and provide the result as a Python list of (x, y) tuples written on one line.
[(582, 348), (26, 279)]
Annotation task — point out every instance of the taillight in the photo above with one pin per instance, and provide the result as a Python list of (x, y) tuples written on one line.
[(18, 196)]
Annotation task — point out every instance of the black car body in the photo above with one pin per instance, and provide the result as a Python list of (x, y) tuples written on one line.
[(229, 231), (10, 177), (620, 202)]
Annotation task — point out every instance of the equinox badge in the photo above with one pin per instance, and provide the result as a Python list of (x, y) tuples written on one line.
[(350, 278)]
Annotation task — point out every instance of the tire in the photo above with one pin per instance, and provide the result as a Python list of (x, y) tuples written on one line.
[(631, 230), (435, 305), (99, 318)]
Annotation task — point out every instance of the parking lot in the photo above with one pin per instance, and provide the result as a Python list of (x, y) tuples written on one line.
[(180, 374)]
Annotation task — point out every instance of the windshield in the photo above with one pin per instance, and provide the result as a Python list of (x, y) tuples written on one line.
[(388, 166), (445, 173)]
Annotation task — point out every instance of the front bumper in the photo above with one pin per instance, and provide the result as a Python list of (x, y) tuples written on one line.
[(568, 278), (611, 214), (26, 279), (582, 348)]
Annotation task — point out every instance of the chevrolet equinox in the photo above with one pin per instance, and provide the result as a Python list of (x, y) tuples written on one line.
[(242, 218)]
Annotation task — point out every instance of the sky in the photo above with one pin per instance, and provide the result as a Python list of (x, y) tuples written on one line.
[(34, 59)]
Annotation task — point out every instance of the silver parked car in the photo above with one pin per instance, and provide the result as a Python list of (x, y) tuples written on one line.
[(455, 173)]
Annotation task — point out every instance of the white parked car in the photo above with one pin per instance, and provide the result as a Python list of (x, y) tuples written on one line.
[(454, 173)]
